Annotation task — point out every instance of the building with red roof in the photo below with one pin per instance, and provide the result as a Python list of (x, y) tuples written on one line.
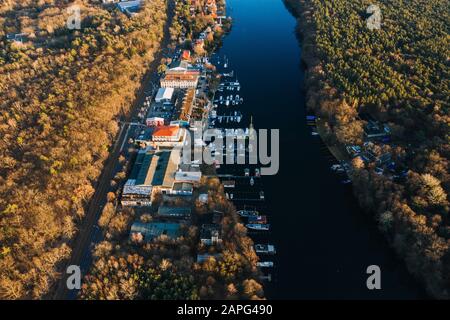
[(167, 134), (186, 55)]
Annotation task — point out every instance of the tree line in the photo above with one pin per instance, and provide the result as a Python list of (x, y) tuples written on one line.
[(399, 75), (63, 92)]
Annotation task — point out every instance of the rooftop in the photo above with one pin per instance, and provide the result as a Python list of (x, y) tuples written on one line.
[(183, 187), (186, 55), (153, 230), (167, 211), (187, 75), (130, 7), (187, 104), (193, 176), (166, 131), (155, 168), (179, 65), (204, 257), (209, 230), (164, 94), (144, 135)]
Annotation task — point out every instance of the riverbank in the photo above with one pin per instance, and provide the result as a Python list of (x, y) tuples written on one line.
[(382, 196), (305, 33), (189, 236), (323, 247)]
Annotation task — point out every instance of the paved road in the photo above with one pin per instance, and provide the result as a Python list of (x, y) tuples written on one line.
[(89, 231)]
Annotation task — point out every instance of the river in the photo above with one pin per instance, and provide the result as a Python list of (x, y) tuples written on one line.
[(324, 241)]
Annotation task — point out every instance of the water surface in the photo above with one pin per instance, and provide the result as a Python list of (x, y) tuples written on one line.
[(324, 241)]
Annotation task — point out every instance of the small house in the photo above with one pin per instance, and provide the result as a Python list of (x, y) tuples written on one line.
[(210, 234)]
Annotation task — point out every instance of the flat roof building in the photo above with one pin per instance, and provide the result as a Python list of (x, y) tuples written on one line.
[(148, 231), (182, 189), (153, 170), (135, 192), (164, 95), (174, 212), (188, 176), (187, 105)]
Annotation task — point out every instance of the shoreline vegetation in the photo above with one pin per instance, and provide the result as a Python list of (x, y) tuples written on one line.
[(166, 268), (397, 75)]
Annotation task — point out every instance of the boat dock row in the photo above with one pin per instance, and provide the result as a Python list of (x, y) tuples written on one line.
[(243, 184)]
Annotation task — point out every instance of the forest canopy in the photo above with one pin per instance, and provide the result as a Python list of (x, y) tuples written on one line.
[(397, 74), (63, 92)]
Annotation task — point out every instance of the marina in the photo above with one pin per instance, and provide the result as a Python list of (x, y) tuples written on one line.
[(242, 182)]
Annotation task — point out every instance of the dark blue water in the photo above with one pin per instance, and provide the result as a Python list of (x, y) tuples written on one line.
[(324, 241)]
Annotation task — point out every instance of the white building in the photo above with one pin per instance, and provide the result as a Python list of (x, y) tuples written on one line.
[(164, 95), (180, 75)]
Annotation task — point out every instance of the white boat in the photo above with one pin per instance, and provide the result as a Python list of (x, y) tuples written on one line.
[(335, 167), (265, 264), (248, 213), (229, 74), (258, 226), (265, 248)]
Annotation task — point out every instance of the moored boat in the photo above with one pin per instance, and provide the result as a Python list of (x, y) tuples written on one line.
[(265, 264), (265, 249), (258, 226), (248, 213), (257, 219)]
